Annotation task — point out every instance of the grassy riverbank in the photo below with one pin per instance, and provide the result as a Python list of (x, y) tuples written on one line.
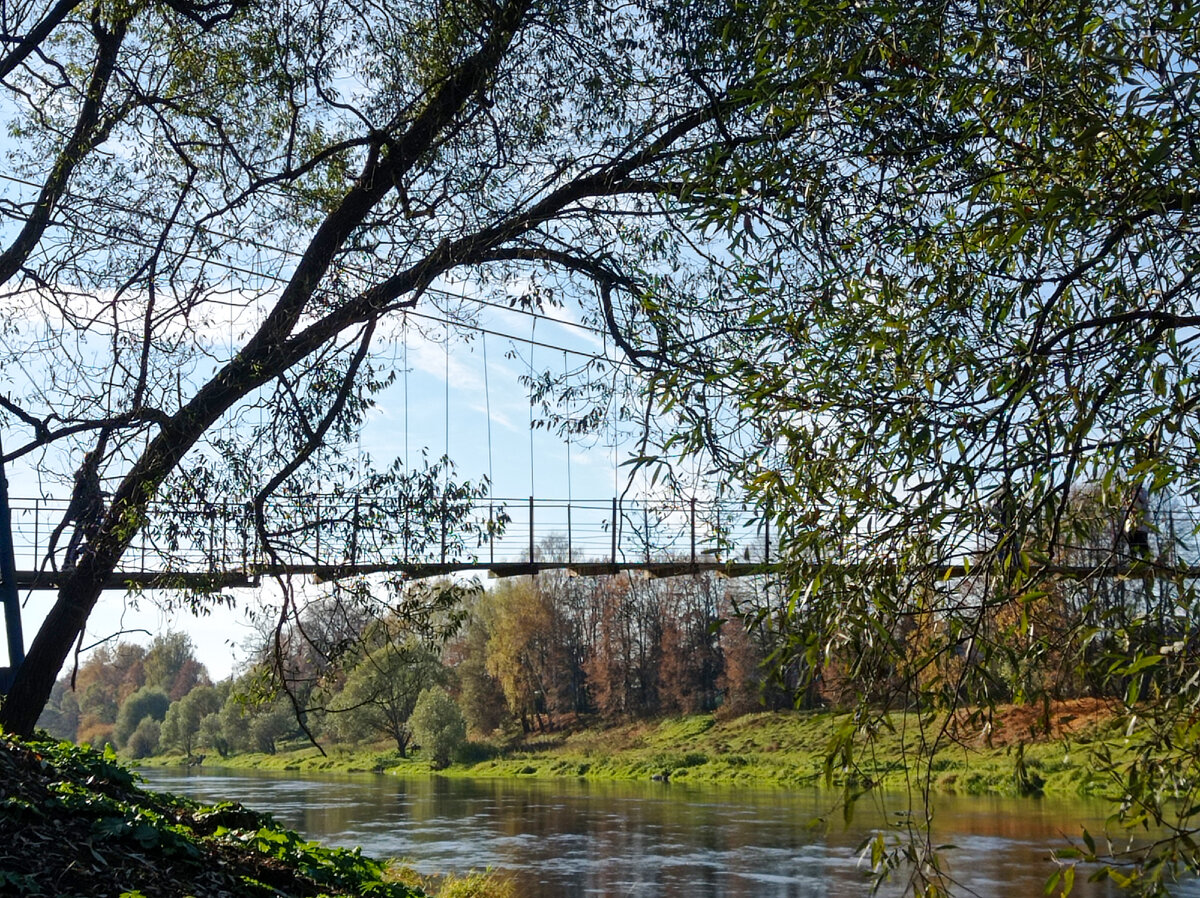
[(1020, 751), (74, 822)]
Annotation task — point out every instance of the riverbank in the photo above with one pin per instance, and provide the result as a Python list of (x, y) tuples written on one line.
[(75, 823), (1019, 750)]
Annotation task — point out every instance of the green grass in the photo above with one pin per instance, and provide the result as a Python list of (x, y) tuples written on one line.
[(790, 750), (781, 749)]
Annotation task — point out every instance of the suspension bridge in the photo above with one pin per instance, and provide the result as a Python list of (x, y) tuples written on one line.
[(212, 545), (207, 545), (215, 544)]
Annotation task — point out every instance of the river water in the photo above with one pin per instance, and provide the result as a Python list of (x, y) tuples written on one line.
[(567, 838)]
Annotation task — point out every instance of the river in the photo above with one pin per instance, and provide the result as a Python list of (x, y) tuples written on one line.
[(567, 838)]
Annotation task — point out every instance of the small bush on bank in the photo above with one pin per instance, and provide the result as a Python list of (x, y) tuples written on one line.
[(438, 724)]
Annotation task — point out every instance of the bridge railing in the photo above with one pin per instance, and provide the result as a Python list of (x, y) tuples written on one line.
[(336, 529), (341, 530)]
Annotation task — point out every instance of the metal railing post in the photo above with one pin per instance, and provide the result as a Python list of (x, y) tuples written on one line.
[(720, 538), (693, 508), (646, 529), (531, 529), (317, 506), (569, 559), (405, 531), (614, 530)]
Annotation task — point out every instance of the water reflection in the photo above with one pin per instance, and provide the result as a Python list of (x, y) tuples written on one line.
[(580, 838)]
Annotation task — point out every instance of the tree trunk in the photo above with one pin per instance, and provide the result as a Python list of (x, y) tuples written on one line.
[(35, 677)]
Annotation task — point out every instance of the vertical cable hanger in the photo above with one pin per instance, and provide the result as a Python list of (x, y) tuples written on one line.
[(566, 397), (405, 337), (532, 334), (566, 375), (487, 402), (446, 389), (446, 451)]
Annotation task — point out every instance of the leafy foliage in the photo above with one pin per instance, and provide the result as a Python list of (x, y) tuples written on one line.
[(438, 725), (953, 304), (74, 817)]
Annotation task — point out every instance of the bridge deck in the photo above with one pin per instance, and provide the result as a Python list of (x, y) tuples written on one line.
[(321, 573), (211, 581)]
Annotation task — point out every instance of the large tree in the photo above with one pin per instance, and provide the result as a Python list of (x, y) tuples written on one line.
[(380, 693), (218, 211), (956, 292)]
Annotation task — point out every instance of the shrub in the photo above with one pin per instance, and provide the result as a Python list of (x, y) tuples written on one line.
[(143, 742), (438, 724), (146, 702)]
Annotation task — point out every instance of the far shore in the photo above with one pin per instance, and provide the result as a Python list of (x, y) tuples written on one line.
[(1020, 750)]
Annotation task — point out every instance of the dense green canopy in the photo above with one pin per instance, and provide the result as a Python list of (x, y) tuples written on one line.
[(948, 324)]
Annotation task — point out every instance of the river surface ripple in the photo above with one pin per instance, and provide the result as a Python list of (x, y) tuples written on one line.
[(567, 838)]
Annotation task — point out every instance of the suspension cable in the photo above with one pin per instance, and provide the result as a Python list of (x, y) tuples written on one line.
[(487, 402)]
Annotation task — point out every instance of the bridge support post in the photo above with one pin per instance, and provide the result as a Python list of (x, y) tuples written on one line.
[(8, 587)]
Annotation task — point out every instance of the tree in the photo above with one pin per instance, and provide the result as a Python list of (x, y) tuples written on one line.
[(439, 726), (146, 702), (957, 282), (107, 679), (181, 728), (479, 694), (171, 665), (381, 691), (143, 741), (522, 653), (387, 147), (251, 721), (61, 717), (212, 734)]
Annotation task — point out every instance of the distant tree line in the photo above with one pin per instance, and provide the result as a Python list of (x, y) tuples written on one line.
[(527, 654)]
